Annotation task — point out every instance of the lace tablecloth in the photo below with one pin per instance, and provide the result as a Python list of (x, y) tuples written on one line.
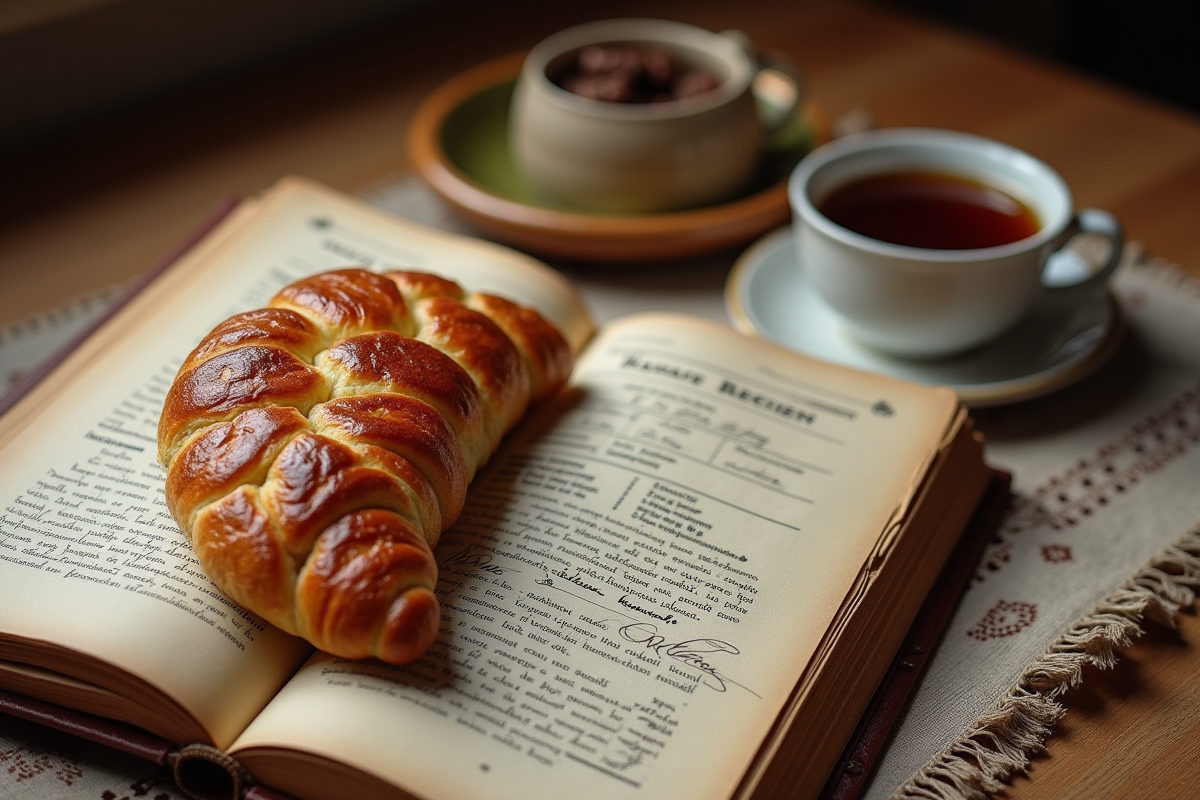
[(1100, 534)]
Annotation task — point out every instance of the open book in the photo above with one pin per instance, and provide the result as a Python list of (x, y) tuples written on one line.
[(682, 578)]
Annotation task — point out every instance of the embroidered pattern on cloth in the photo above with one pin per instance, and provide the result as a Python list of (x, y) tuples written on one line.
[(1001, 742), (1004, 619), (1114, 470), (50, 764)]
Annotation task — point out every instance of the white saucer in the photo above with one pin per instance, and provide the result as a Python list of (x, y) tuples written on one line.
[(767, 295)]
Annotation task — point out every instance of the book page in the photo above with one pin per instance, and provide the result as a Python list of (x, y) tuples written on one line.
[(90, 558), (636, 586)]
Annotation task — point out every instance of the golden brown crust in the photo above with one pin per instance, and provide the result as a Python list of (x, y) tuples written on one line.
[(421, 285), (276, 327), (482, 348), (539, 342), (228, 455), (316, 449), (230, 382), (390, 363), (235, 534), (369, 567), (345, 302), (409, 428)]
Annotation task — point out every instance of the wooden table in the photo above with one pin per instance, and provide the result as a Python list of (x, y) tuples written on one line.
[(101, 204)]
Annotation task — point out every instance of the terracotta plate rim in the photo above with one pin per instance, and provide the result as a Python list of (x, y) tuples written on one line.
[(578, 234)]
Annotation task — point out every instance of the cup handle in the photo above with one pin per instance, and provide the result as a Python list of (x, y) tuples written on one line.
[(1094, 221), (778, 85)]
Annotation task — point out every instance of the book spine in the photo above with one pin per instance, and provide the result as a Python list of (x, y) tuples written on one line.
[(115, 735), (856, 766), (201, 771)]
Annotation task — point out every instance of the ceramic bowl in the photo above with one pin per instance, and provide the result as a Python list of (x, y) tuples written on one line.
[(458, 145)]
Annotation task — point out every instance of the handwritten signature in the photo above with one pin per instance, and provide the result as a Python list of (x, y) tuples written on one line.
[(576, 579), (694, 653), (470, 556), (747, 435), (628, 760)]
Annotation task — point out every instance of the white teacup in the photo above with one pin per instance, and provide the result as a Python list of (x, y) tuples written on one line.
[(643, 157), (927, 300)]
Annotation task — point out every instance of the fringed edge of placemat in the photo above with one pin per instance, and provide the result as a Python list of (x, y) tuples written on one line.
[(1162, 269), (1001, 742)]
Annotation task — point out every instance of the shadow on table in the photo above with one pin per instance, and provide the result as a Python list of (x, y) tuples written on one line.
[(1081, 404)]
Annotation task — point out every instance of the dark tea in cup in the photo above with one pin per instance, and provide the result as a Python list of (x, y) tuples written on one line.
[(937, 210), (928, 243)]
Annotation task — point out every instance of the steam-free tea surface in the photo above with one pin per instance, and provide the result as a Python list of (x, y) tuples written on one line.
[(930, 209)]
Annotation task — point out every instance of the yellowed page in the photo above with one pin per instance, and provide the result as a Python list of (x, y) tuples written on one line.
[(633, 592), (89, 556)]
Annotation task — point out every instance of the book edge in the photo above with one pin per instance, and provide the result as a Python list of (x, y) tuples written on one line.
[(878, 722)]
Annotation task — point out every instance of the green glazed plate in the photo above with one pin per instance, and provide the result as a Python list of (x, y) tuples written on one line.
[(458, 144)]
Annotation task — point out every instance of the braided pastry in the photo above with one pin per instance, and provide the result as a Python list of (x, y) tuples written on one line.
[(316, 448)]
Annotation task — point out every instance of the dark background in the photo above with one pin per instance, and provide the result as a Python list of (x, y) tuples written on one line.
[(1150, 46), (64, 63)]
